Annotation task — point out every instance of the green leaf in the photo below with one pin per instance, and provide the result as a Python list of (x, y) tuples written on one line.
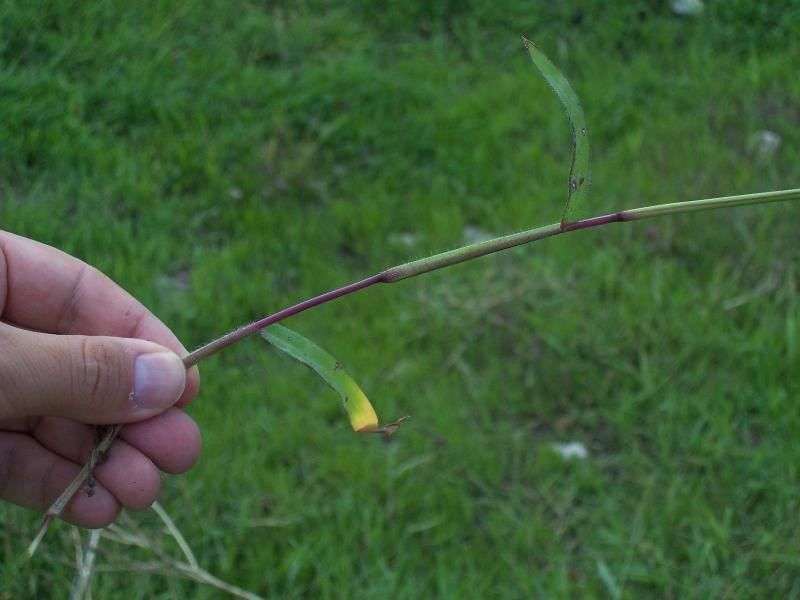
[(577, 186), (362, 416)]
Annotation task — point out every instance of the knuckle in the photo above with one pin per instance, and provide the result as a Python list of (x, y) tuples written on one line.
[(14, 368), (99, 371), (69, 311)]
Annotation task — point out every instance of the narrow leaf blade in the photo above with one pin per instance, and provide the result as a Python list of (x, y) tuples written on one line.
[(362, 416), (577, 186)]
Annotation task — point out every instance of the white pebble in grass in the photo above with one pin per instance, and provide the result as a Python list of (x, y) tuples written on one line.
[(571, 450), (765, 143), (687, 8), (473, 235), (406, 239)]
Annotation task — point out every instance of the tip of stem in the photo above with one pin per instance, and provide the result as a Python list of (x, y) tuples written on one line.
[(387, 430), (40, 535)]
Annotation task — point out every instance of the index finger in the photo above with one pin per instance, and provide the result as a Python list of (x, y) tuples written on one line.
[(47, 290)]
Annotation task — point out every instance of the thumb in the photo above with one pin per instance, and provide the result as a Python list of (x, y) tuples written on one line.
[(94, 379)]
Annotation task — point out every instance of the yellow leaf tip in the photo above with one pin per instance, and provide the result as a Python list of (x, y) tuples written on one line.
[(362, 416)]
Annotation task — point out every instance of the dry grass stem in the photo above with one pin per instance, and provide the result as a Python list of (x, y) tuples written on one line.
[(61, 502), (80, 589), (176, 534), (165, 564)]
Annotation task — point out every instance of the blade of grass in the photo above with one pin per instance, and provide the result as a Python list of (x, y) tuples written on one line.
[(362, 415), (80, 589), (176, 534), (578, 183)]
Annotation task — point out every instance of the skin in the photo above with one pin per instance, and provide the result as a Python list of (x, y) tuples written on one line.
[(55, 311)]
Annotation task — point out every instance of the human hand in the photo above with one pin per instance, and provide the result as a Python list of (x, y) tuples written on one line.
[(77, 350)]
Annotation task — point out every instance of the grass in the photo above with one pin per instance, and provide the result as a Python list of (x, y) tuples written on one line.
[(223, 159)]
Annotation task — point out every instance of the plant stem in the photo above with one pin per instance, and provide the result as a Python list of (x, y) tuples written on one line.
[(425, 265), (80, 588), (659, 210), (411, 269), (55, 510), (452, 257), (237, 334)]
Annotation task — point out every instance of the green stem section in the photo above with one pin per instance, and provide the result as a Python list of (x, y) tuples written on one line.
[(446, 259), (459, 255), (647, 212)]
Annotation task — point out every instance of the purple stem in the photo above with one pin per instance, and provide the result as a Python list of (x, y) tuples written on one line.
[(237, 334), (617, 217), (383, 277), (468, 252)]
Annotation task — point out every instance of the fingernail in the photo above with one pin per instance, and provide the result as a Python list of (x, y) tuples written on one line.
[(158, 380)]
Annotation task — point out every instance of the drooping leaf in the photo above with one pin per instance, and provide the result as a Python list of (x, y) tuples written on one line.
[(362, 416), (578, 183)]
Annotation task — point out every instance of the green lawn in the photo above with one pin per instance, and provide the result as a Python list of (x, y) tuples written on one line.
[(221, 159)]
